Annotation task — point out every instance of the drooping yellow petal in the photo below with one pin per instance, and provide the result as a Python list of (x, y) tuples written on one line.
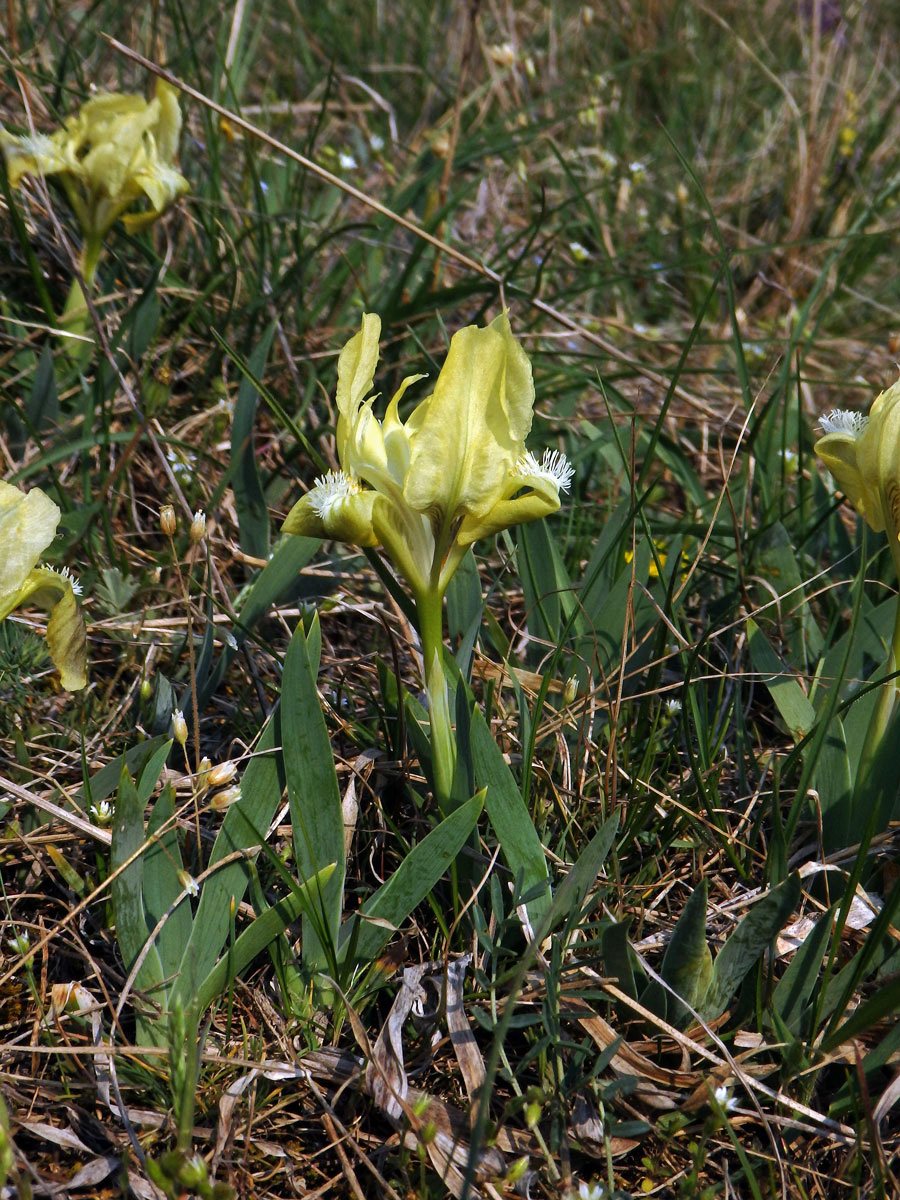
[(839, 452), (469, 434), (67, 641), (335, 508), (37, 154), (66, 637), (28, 523)]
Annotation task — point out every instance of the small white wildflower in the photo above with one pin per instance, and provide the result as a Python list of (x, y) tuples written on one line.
[(553, 465), (376, 142), (189, 883), (788, 457), (102, 813), (579, 251), (724, 1098), (347, 161), (840, 420), (592, 1190), (673, 706), (329, 490), (637, 169), (19, 943)]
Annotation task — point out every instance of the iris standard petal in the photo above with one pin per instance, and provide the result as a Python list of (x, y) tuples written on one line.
[(468, 435)]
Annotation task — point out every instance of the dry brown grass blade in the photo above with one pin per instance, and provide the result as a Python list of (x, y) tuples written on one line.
[(385, 1072), (465, 1046)]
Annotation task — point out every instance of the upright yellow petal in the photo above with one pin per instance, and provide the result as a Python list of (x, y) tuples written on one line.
[(469, 434)]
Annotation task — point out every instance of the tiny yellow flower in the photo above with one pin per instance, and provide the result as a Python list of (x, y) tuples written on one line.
[(28, 523), (115, 152), (455, 471)]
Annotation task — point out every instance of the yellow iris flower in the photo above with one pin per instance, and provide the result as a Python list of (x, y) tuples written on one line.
[(455, 471), (863, 455), (28, 522), (116, 151)]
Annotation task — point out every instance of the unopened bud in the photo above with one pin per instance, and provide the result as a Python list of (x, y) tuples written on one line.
[(167, 519), (198, 526), (570, 691), (146, 689), (189, 883), (516, 1170), (221, 774), (202, 781), (223, 800), (179, 727)]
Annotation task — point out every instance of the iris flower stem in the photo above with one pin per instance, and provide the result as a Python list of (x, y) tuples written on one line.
[(75, 318), (443, 744)]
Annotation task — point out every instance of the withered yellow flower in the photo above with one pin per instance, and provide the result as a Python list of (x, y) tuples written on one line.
[(28, 522)]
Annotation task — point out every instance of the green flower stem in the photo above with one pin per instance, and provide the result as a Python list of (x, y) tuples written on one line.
[(443, 743), (75, 318)]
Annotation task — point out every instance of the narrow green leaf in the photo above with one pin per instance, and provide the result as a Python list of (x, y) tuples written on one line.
[(790, 699), (572, 892), (126, 895), (250, 500), (416, 875), (882, 1004), (313, 793), (305, 898), (42, 408), (743, 950), (802, 975), (161, 886), (549, 597), (243, 828), (510, 818)]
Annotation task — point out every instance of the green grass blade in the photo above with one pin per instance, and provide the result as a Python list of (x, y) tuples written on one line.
[(510, 818), (315, 800), (414, 878)]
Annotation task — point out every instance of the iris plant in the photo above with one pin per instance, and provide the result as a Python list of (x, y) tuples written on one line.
[(425, 489)]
